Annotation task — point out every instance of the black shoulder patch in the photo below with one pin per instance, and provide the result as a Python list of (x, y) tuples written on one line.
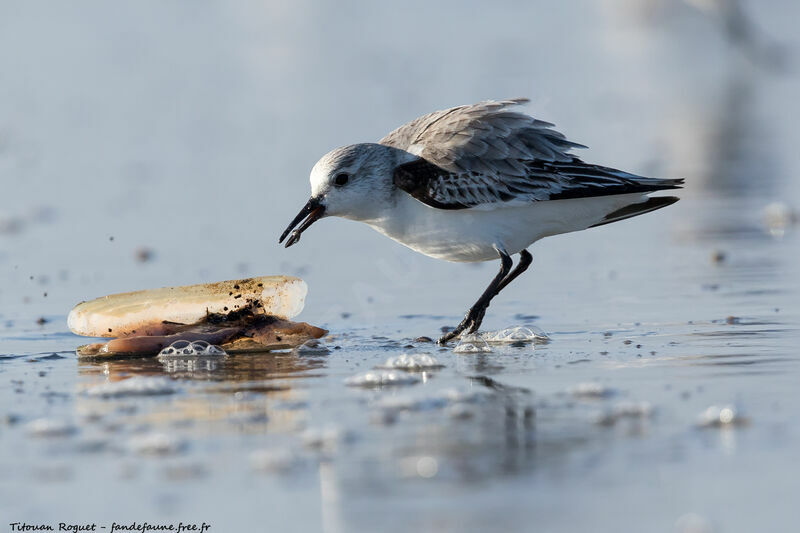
[(418, 178)]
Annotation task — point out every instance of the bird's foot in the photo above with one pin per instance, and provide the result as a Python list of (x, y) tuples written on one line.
[(470, 324), (450, 335)]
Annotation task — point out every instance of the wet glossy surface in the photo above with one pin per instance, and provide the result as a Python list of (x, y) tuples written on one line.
[(651, 321)]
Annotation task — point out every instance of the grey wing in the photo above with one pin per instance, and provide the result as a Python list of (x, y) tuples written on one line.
[(480, 136), (488, 155)]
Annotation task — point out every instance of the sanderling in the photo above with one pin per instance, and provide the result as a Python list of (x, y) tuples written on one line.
[(474, 183)]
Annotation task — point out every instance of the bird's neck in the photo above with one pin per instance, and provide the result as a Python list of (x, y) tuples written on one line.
[(390, 218), (374, 213)]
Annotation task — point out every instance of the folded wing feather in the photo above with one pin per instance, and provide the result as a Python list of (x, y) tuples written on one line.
[(486, 155)]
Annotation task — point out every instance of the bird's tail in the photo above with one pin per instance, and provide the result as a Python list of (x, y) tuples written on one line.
[(633, 210)]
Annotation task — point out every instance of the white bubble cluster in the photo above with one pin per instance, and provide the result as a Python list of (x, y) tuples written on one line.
[(472, 343), (419, 466), (516, 334), (721, 416), (187, 348), (381, 379), (412, 362)]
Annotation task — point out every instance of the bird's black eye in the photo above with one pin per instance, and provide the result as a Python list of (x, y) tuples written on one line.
[(341, 179)]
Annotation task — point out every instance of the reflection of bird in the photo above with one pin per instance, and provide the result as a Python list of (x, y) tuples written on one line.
[(474, 183)]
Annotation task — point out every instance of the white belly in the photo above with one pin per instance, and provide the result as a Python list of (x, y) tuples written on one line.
[(469, 235)]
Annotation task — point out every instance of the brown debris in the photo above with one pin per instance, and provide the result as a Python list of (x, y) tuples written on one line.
[(237, 332)]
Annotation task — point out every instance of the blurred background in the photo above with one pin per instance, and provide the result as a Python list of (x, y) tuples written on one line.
[(146, 144)]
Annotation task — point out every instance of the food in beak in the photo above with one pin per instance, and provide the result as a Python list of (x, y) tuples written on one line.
[(311, 212)]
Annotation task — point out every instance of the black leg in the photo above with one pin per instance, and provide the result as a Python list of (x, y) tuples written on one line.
[(475, 314), (525, 260)]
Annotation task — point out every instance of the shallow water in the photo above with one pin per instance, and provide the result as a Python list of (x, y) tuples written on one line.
[(200, 148)]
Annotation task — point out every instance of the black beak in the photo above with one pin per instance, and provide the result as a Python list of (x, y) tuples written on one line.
[(313, 210)]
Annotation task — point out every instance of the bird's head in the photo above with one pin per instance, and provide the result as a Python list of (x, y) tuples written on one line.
[(352, 182)]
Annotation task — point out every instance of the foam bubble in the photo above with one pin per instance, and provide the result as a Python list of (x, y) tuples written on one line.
[(721, 416), (405, 361), (381, 379), (516, 334), (472, 343), (187, 348), (423, 466)]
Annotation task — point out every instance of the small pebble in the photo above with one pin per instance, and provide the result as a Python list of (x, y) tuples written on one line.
[(11, 419), (144, 254)]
